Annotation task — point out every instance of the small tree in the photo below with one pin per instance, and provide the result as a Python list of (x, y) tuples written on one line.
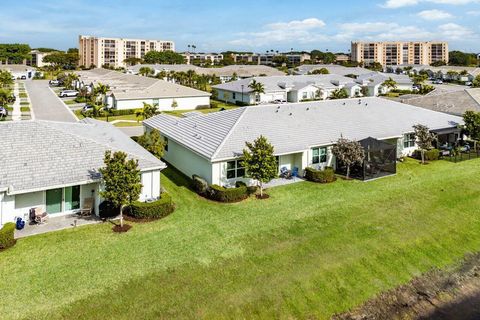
[(424, 139), (257, 88), (147, 111), (121, 178), (153, 142), (349, 152), (260, 162), (174, 104), (472, 125)]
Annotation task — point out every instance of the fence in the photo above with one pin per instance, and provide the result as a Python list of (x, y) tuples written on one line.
[(462, 155)]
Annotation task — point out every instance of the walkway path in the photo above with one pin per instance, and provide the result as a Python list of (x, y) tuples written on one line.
[(16, 112), (45, 104)]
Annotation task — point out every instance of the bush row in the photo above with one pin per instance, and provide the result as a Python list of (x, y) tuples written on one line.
[(152, 210), (7, 238), (221, 194), (321, 176), (430, 155)]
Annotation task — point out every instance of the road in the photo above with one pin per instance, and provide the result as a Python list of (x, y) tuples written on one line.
[(45, 104), (132, 131)]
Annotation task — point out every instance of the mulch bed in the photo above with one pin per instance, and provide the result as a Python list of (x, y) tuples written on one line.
[(120, 229), (262, 197)]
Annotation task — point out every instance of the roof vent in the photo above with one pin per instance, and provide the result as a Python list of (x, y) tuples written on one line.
[(276, 111), (366, 104), (344, 103), (308, 109), (290, 114)]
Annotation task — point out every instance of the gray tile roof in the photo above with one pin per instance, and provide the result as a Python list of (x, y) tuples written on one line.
[(39, 155), (379, 78), (241, 70), (332, 68), (279, 83), (297, 127), (129, 86)]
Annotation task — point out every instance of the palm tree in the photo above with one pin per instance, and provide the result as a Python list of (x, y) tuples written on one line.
[(190, 77), (147, 111), (70, 78), (338, 94), (102, 90), (145, 71), (257, 88), (389, 84), (5, 78)]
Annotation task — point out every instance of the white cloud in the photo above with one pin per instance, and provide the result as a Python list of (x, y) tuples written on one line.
[(300, 31), (394, 4), (453, 31), (473, 13), (434, 15)]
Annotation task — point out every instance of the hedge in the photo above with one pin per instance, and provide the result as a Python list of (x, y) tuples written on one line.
[(430, 155), (223, 194), (152, 210), (250, 189), (321, 176), (7, 238), (200, 185)]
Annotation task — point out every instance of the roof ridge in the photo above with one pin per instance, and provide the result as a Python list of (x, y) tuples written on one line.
[(217, 150)]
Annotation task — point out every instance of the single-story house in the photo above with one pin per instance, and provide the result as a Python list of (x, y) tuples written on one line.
[(128, 91), (302, 133), (19, 70), (287, 88), (332, 69), (225, 74), (55, 166), (374, 82)]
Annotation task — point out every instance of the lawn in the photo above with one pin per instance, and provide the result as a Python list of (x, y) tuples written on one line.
[(129, 117), (307, 252), (179, 113)]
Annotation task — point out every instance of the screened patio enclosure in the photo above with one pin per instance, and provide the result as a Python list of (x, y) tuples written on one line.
[(380, 161)]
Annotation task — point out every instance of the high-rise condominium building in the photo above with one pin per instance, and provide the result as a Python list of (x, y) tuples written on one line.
[(398, 53), (113, 51)]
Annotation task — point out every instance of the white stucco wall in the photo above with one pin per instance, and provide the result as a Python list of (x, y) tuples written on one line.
[(165, 104), (187, 161), (150, 185)]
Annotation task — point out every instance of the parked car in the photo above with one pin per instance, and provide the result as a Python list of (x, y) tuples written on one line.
[(468, 83), (438, 81), (54, 83), (3, 112), (279, 101), (68, 93), (23, 77), (87, 108)]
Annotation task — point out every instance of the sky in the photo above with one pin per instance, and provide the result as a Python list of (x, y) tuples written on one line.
[(249, 25)]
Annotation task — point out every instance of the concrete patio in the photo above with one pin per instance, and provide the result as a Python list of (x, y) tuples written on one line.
[(283, 182), (55, 224)]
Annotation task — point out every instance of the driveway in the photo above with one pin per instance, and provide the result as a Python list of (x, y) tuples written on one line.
[(132, 131), (45, 104)]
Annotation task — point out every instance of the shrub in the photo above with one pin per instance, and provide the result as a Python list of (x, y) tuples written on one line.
[(152, 210), (250, 189), (241, 104), (125, 112), (200, 185), (430, 155), (222, 194), (22, 94), (214, 104), (322, 176), (205, 106), (7, 238)]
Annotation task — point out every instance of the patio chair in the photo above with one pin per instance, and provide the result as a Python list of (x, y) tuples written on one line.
[(87, 208), (40, 215), (295, 172)]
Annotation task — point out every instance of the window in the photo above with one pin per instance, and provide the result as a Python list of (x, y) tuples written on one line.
[(235, 169), (166, 143), (409, 140), (319, 155), (304, 95), (234, 96)]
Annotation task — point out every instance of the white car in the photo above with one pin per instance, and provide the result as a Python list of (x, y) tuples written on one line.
[(68, 93), (54, 82)]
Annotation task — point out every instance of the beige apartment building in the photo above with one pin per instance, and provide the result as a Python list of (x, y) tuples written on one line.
[(399, 53), (113, 51)]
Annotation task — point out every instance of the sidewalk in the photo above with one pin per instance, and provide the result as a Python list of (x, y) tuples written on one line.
[(16, 113)]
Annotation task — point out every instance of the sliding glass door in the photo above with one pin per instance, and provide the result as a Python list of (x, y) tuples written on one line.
[(54, 199), (72, 198)]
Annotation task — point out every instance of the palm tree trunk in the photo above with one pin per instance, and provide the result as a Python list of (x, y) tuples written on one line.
[(121, 216), (348, 172), (261, 189)]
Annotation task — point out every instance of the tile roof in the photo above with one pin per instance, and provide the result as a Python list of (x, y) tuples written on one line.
[(39, 155), (332, 68), (241, 70), (298, 126), (280, 83)]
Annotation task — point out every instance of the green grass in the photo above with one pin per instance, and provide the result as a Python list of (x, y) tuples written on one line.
[(133, 117), (309, 251), (23, 94), (70, 102), (179, 113), (25, 109), (127, 124)]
